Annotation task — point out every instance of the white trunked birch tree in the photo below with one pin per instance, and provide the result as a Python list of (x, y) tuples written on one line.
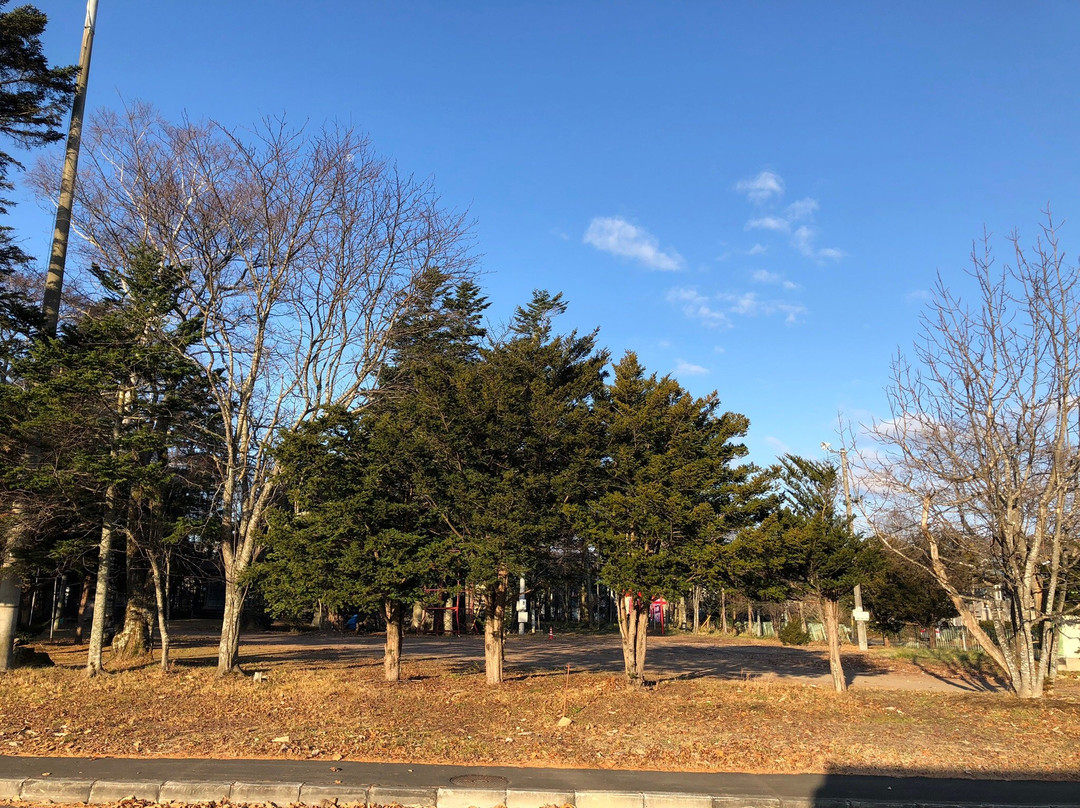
[(301, 250)]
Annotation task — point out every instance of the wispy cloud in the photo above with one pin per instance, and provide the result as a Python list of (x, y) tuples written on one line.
[(718, 310), (761, 188), (619, 237), (684, 368), (698, 307), (803, 240), (796, 219), (917, 296), (773, 279), (769, 223), (802, 209), (749, 304), (757, 249)]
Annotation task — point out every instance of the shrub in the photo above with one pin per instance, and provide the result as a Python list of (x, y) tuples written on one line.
[(792, 633)]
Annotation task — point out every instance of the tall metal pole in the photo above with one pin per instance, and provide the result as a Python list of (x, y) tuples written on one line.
[(54, 282)]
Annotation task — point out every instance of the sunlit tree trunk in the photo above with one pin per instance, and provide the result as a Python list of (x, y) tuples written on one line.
[(830, 613), (494, 629), (394, 613)]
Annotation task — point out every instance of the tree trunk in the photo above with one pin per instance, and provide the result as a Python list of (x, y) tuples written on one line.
[(494, 635), (633, 615), (101, 589), (394, 627), (84, 601), (161, 599), (229, 647), (133, 641), (10, 595), (830, 612)]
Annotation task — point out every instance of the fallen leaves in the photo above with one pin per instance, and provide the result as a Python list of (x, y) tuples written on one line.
[(341, 709)]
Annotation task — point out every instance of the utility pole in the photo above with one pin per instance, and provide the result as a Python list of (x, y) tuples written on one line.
[(54, 281), (860, 614), (10, 585)]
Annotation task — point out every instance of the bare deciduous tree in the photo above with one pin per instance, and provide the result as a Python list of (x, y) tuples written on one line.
[(980, 456), (300, 250)]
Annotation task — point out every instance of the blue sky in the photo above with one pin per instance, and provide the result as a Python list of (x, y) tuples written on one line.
[(755, 197)]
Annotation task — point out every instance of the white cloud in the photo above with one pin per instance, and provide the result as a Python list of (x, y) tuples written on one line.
[(773, 279), (684, 368), (762, 187), (769, 223), (698, 307), (918, 296), (802, 209), (619, 237), (749, 304), (718, 310), (803, 240), (757, 249)]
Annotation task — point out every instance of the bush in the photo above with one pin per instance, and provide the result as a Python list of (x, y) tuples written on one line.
[(792, 633)]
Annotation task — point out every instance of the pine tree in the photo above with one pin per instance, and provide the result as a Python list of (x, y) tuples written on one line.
[(671, 489)]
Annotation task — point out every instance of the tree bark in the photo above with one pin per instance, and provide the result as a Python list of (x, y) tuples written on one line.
[(101, 588), (494, 634), (10, 595), (830, 612), (394, 612), (229, 647), (133, 641), (633, 616), (161, 599), (84, 601)]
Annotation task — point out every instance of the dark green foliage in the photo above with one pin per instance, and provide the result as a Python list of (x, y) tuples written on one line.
[(792, 633), (670, 485), (112, 401), (34, 98), (359, 527), (513, 442), (898, 592)]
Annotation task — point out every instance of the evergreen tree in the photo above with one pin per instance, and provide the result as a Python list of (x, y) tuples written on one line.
[(511, 437), (360, 531), (671, 489), (807, 547), (34, 98), (103, 406)]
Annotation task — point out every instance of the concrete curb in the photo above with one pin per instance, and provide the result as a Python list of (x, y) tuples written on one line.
[(418, 785), (67, 790)]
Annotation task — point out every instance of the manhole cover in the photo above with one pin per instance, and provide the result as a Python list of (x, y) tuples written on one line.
[(479, 780)]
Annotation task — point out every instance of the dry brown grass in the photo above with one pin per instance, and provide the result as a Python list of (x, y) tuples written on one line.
[(333, 708)]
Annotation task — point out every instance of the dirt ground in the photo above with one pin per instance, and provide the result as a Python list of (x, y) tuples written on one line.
[(714, 705)]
